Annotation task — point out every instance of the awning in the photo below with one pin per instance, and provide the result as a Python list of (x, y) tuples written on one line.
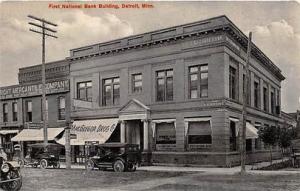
[(91, 130), (5, 132), (251, 131), (37, 134)]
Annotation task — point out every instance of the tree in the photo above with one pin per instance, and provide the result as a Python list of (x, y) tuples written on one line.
[(285, 136), (269, 135)]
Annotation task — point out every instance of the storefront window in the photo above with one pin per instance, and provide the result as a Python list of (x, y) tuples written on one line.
[(165, 133), (84, 91), (111, 91), (199, 132), (5, 112), (164, 85)]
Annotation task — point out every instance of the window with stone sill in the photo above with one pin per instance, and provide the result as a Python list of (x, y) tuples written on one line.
[(198, 81), (111, 91), (84, 91), (164, 85), (137, 83)]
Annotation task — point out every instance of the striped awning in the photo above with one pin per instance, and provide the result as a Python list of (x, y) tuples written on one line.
[(98, 130), (37, 134)]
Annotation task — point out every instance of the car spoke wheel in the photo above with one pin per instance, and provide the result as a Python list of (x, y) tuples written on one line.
[(90, 165), (119, 166), (43, 163), (13, 185), (131, 168), (56, 165)]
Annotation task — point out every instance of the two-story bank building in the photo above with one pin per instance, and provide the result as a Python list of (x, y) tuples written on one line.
[(21, 105), (177, 92)]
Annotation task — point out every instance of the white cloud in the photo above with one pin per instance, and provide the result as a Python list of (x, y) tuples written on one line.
[(282, 44)]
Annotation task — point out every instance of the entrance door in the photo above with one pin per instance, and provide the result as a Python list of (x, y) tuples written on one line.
[(135, 132)]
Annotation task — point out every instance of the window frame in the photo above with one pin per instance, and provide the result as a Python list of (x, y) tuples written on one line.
[(199, 82), (233, 88), (256, 93), (134, 89), (112, 95), (28, 113), (165, 78), (61, 110), (5, 112), (86, 89), (14, 113)]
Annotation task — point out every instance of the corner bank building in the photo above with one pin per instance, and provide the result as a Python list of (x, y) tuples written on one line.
[(178, 92)]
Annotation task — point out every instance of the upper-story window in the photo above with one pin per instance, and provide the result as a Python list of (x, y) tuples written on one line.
[(164, 85), (137, 83), (5, 112), (84, 91), (233, 83), (273, 100), (46, 109), (248, 95), (266, 98), (61, 108), (15, 111), (28, 109), (111, 91), (256, 93), (198, 81)]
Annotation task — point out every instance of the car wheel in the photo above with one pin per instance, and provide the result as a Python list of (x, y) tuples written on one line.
[(119, 166), (44, 163), (56, 165), (131, 168), (90, 165), (13, 185)]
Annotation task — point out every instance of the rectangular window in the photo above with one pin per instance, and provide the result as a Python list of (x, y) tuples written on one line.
[(111, 91), (165, 133), (28, 107), (15, 111), (61, 108), (266, 98), (84, 91), (5, 112), (249, 90), (198, 81), (137, 83), (233, 83), (199, 132), (256, 94), (164, 85), (46, 110), (272, 100)]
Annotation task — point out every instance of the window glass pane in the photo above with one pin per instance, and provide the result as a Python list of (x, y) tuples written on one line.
[(204, 68), (116, 80), (161, 74), (5, 108), (194, 94), (204, 91), (194, 77), (29, 106), (165, 133), (107, 81), (199, 132), (89, 94), (81, 94), (204, 76), (15, 107), (62, 103), (169, 88), (169, 72), (81, 85), (194, 69), (89, 84), (160, 89), (138, 84), (116, 94), (137, 76)]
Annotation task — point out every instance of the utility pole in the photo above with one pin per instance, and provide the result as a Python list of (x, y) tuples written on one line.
[(244, 112), (44, 32)]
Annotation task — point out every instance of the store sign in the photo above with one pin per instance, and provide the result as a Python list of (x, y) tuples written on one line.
[(203, 41), (34, 125), (33, 90)]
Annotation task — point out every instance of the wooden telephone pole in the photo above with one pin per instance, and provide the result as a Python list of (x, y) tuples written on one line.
[(45, 31), (244, 112)]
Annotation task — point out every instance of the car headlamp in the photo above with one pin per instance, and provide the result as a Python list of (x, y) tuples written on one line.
[(5, 168), (52, 156)]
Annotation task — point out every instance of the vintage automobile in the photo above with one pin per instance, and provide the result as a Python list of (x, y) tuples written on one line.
[(42, 155), (10, 177), (118, 156)]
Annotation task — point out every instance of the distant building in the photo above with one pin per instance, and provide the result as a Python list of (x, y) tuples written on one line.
[(20, 105), (177, 92)]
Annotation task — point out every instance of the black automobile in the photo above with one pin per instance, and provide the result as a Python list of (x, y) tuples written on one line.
[(10, 177), (43, 155), (118, 156)]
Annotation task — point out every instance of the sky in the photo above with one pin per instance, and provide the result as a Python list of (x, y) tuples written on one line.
[(275, 27)]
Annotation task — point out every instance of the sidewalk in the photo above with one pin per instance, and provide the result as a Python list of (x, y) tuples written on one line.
[(210, 170)]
